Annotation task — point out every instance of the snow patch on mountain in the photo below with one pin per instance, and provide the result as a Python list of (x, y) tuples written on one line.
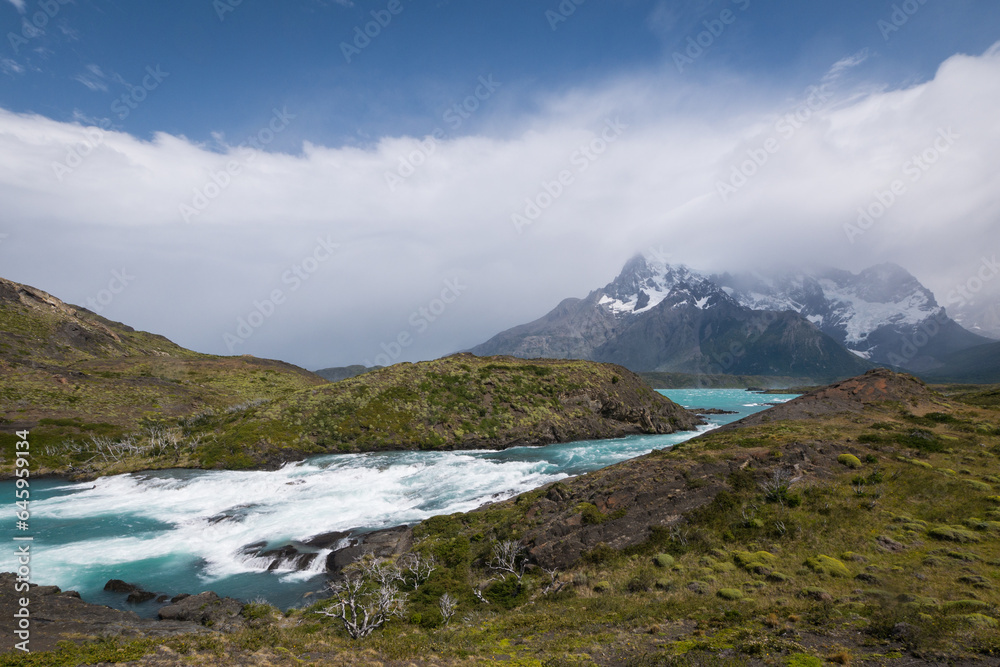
[(859, 316), (646, 283)]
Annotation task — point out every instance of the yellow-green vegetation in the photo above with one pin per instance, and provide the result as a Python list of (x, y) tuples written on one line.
[(100, 397), (459, 402), (849, 460), (864, 568)]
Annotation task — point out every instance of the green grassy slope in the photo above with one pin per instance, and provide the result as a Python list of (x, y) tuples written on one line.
[(864, 535), (70, 375), (459, 402)]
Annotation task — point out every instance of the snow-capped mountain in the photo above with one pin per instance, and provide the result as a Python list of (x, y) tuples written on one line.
[(646, 283), (660, 317), (882, 314)]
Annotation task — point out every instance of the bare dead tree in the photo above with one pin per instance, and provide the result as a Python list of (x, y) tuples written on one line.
[(776, 487), (554, 585), (363, 603), (383, 572), (509, 557), (420, 567), (448, 606)]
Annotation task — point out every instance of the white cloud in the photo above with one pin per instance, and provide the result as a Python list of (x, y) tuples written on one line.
[(94, 79), (19, 4), (656, 185), (10, 67)]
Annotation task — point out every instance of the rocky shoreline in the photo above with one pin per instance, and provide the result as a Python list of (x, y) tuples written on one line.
[(58, 615)]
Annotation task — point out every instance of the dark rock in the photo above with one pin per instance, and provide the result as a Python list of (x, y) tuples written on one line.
[(178, 598), (699, 587), (207, 609), (904, 632), (868, 579), (138, 597), (386, 543), (326, 540), (888, 544), (67, 617), (119, 586)]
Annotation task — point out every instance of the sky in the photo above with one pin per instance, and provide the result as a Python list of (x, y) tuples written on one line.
[(331, 182)]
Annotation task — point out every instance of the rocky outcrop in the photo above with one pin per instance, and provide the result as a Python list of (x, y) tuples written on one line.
[(852, 395), (58, 615), (206, 609)]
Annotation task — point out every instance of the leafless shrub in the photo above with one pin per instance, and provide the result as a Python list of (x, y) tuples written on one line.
[(419, 566), (247, 405), (367, 598), (554, 585), (448, 606), (509, 557)]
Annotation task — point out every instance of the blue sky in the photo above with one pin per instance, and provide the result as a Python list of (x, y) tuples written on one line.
[(227, 73), (372, 157)]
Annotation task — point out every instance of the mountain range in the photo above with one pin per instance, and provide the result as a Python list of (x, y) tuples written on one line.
[(658, 317)]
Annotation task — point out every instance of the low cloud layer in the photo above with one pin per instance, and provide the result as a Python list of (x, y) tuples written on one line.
[(443, 240)]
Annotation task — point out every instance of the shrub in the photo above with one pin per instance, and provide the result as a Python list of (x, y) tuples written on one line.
[(979, 620), (664, 585), (827, 565), (754, 562), (664, 561), (602, 587), (953, 534), (849, 460), (730, 594), (641, 582), (967, 606)]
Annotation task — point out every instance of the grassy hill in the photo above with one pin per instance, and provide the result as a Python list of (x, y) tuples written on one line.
[(70, 376), (101, 398), (459, 402), (861, 525)]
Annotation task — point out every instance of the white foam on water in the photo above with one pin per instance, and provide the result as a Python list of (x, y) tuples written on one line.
[(277, 507), (205, 519)]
